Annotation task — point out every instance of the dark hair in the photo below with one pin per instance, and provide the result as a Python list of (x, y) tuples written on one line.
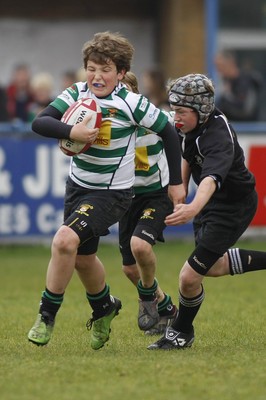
[(106, 47)]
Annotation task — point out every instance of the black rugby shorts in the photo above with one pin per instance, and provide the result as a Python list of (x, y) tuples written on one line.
[(91, 212), (144, 219)]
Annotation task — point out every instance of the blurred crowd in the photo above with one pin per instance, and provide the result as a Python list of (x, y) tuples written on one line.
[(26, 94), (240, 90)]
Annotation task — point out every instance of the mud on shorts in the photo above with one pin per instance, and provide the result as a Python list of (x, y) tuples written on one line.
[(144, 219), (91, 212), (217, 228)]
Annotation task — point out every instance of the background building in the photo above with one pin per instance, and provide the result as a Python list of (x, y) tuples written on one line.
[(180, 36)]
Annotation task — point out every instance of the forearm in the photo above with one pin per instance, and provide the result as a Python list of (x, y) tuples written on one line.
[(48, 123), (185, 212), (204, 192)]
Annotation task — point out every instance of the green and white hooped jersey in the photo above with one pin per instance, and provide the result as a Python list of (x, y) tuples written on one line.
[(151, 167), (109, 162)]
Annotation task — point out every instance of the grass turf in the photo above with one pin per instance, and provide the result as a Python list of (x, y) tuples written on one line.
[(227, 360)]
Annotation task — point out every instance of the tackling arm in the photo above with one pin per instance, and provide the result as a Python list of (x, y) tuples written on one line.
[(183, 213)]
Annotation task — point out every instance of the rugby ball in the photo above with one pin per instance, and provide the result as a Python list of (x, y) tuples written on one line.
[(75, 114)]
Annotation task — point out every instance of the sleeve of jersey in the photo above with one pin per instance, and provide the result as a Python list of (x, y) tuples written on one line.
[(218, 150), (173, 153), (48, 124), (145, 113)]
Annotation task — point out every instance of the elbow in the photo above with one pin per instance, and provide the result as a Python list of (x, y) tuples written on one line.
[(35, 125)]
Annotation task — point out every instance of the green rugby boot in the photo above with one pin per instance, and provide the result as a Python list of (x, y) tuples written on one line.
[(41, 332), (101, 326)]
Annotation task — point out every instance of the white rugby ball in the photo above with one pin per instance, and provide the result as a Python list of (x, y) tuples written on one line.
[(75, 114)]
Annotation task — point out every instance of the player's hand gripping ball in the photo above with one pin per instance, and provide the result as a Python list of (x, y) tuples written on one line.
[(75, 114)]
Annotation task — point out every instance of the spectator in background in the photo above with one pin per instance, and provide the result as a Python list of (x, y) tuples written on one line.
[(42, 86), (81, 75), (3, 106), (154, 88), (68, 78), (239, 90), (19, 96)]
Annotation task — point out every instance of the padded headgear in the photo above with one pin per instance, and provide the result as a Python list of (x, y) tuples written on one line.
[(195, 91)]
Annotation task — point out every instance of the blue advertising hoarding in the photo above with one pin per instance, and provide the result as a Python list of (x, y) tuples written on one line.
[(33, 172), (32, 177)]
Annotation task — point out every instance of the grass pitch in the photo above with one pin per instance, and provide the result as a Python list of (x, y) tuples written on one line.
[(226, 362)]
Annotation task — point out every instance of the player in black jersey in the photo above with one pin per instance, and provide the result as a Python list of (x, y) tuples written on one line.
[(222, 209)]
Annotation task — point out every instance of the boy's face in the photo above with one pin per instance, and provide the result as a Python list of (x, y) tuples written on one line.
[(102, 78), (185, 118)]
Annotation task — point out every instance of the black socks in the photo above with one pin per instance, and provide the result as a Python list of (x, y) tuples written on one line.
[(147, 294), (101, 303), (188, 309), (50, 303), (241, 261)]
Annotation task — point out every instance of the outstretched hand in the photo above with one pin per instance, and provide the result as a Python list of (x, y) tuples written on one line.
[(182, 214)]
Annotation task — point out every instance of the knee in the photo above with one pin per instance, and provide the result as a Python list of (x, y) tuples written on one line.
[(65, 241), (139, 247), (220, 268), (189, 281)]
